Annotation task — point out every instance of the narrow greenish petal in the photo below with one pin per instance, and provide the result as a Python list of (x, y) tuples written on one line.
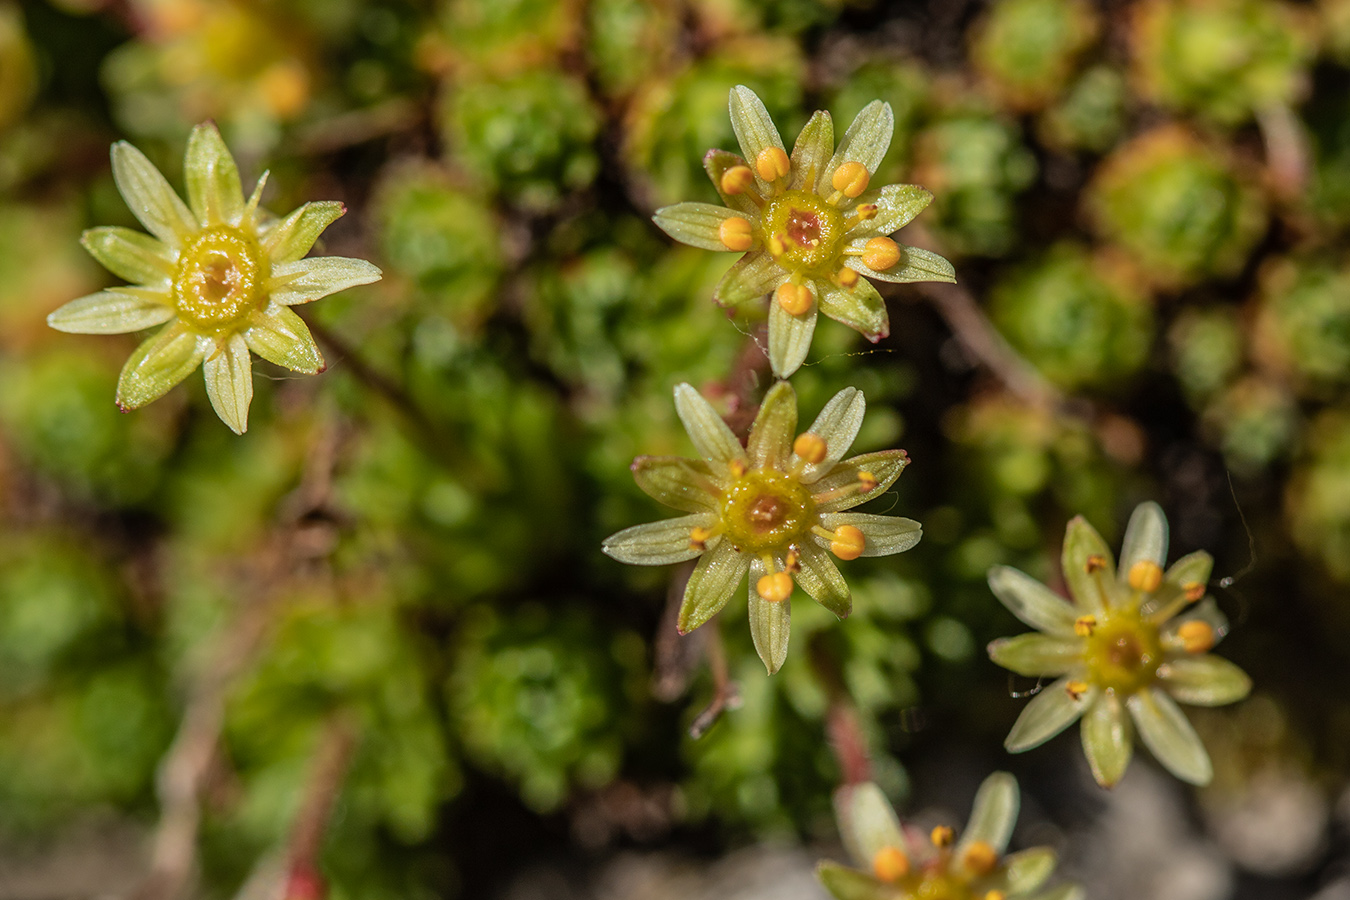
[(775, 425), (844, 883), (1204, 680), (897, 205), (789, 337), (1108, 739), (867, 823), (994, 814), (770, 623), (1028, 869), (137, 257), (281, 337), (1081, 543), (112, 312), (859, 307), (657, 543), (695, 224), (289, 239), (1168, 734), (684, 484), (712, 438), (159, 363), (149, 197), (884, 465), (753, 275), (1032, 602), (754, 128), (249, 217), (812, 151), (884, 534), (309, 279), (1062, 892), (229, 382), (1193, 568), (837, 425), (866, 141), (213, 187), (711, 585), (914, 265), (1048, 713), (1206, 611), (716, 163), (1036, 655), (820, 578), (1145, 539)]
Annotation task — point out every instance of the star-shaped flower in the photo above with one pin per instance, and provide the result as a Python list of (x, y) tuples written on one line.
[(900, 863), (809, 224), (1127, 648), (775, 508), (218, 273)]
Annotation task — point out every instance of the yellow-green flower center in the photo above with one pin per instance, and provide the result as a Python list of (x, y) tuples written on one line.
[(220, 278), (766, 510), (1123, 653), (810, 229)]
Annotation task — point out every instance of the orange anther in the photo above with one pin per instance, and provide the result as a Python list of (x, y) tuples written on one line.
[(942, 836), (867, 482), (880, 254), (851, 179), (980, 858), (736, 467), (772, 163), (734, 233), (848, 542), (794, 298), (1083, 625), (1076, 689), (810, 447), (890, 864), (846, 278), (1194, 591), (737, 180), (699, 537), (865, 211), (1095, 563), (1146, 576), (775, 587), (1196, 636)]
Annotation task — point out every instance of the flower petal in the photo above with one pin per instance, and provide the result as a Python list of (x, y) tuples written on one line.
[(1204, 680), (292, 237), (770, 623), (866, 141), (711, 585), (716, 163), (281, 337), (229, 382), (1108, 739), (775, 424), (1035, 655), (754, 128), (867, 822), (1169, 736), (1032, 602), (681, 483), (994, 814), (820, 578), (309, 279), (914, 265), (1193, 568), (790, 337), (1145, 539), (884, 465), (657, 543), (158, 364), (115, 311), (1028, 869), (884, 534), (137, 257), (837, 425), (1062, 892), (696, 224), (1048, 713), (712, 438), (149, 196), (897, 205), (213, 188), (812, 151), (1082, 543), (859, 307), (844, 883), (750, 278)]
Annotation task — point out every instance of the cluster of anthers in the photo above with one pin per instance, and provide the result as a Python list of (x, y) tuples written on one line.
[(810, 224)]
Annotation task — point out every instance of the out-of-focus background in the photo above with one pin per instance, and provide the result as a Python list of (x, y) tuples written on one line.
[(376, 634)]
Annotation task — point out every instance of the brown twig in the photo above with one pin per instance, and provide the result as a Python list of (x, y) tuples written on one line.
[(328, 770), (726, 693), (848, 742)]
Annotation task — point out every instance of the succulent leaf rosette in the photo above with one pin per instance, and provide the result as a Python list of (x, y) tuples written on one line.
[(218, 273), (776, 508), (1127, 648), (900, 863), (809, 225)]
